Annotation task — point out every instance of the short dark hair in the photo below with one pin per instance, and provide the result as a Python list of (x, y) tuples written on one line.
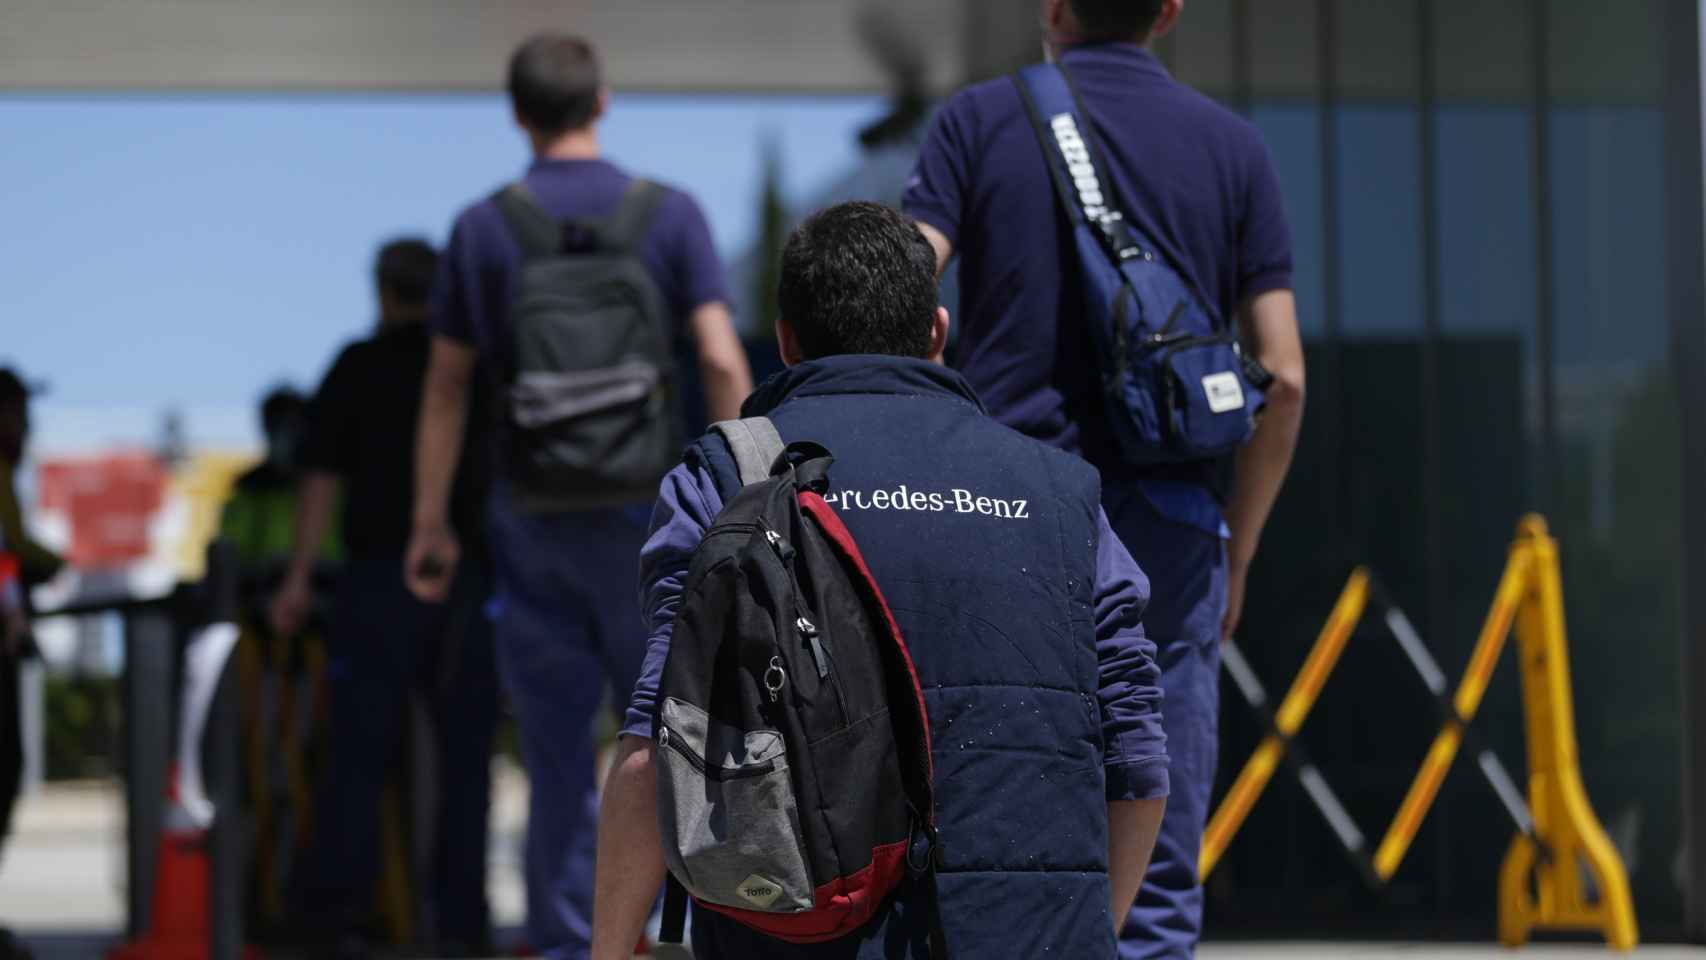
[(405, 268), (859, 278), (554, 80), (1116, 19), (281, 407)]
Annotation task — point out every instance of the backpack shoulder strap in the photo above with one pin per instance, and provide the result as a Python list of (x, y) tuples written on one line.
[(755, 445), (625, 228), (535, 231)]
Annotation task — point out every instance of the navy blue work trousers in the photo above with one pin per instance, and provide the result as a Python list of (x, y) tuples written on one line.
[(568, 630), (1187, 573)]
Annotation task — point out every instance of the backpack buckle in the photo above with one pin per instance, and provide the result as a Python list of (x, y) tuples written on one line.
[(1118, 237), (932, 853)]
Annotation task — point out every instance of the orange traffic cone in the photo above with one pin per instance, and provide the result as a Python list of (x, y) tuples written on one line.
[(179, 926)]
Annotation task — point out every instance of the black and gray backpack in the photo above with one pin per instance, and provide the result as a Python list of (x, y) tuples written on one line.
[(590, 405), (793, 743)]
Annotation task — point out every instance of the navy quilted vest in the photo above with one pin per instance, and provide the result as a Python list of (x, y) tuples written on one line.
[(983, 542)]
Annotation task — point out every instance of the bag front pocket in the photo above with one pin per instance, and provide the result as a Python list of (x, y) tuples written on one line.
[(1210, 407), (726, 813)]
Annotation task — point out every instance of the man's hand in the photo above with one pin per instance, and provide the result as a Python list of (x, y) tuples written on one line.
[(430, 564), (290, 605)]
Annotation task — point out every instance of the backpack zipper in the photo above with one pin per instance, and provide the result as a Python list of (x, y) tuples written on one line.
[(808, 631), (674, 741)]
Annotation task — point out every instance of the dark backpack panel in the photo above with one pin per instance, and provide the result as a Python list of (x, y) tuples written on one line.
[(592, 412)]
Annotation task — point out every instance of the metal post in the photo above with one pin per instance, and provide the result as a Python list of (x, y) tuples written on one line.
[(150, 662), (1686, 246)]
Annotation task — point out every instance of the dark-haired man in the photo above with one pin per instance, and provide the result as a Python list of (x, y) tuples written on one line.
[(565, 616), (1050, 766), (386, 645), (1198, 181)]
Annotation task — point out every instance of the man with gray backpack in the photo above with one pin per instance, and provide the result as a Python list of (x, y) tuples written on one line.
[(898, 701), (595, 305)]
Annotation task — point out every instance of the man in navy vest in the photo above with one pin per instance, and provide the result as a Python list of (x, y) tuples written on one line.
[(1199, 182), (1020, 605)]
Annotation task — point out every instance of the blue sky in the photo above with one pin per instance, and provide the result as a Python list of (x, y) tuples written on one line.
[(188, 251)]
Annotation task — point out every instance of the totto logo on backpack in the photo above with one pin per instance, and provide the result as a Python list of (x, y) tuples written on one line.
[(1175, 382), (591, 413), (793, 744)]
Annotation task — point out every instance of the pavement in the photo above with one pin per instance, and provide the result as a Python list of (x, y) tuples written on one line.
[(62, 872), (62, 885)]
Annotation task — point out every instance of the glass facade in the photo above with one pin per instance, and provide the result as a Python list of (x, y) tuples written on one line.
[(1479, 199)]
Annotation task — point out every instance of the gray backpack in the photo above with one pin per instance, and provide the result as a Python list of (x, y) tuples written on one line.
[(590, 405)]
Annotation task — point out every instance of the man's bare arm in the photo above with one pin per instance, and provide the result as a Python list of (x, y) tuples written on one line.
[(629, 868), (431, 561), (1132, 828), (939, 242), (1269, 326), (722, 361)]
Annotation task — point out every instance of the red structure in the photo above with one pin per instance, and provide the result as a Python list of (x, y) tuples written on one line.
[(109, 501)]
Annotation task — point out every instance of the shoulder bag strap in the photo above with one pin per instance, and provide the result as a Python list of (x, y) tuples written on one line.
[(1081, 181), (755, 445)]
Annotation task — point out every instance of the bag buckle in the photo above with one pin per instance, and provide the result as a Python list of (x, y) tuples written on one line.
[(932, 848), (1117, 236)]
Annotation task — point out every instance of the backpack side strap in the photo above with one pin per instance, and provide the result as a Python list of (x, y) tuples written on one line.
[(755, 445), (534, 230)]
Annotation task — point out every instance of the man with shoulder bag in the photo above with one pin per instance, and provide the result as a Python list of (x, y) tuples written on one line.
[(1125, 279)]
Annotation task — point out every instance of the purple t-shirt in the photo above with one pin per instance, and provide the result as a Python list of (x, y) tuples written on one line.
[(1194, 175), (471, 298)]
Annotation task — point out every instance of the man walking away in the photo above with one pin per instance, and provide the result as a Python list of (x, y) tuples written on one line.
[(1197, 183), (387, 645), (1020, 608), (573, 291)]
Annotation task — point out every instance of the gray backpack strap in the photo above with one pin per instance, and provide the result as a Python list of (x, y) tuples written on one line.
[(534, 230), (625, 228), (755, 445)]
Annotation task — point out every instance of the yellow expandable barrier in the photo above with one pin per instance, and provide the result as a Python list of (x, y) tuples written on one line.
[(1541, 883), (1305, 689)]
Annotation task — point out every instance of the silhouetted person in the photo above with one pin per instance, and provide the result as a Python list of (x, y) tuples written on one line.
[(259, 515), (36, 565), (386, 643)]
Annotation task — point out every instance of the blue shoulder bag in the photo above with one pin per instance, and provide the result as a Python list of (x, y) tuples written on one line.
[(1175, 382)]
